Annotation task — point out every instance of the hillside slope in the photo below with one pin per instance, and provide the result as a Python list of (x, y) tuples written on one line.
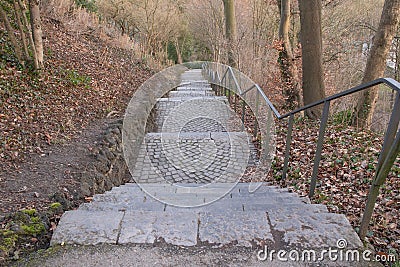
[(49, 122)]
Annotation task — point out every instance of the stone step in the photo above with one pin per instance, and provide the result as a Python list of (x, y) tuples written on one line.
[(237, 189), (193, 76), (136, 190), (150, 204), (131, 196), (223, 99), (190, 93), (200, 199), (83, 227), (194, 81), (194, 87), (191, 227)]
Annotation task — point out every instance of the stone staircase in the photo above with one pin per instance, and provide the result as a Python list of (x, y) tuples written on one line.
[(187, 191)]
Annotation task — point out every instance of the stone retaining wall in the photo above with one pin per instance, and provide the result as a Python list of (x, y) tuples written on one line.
[(109, 168)]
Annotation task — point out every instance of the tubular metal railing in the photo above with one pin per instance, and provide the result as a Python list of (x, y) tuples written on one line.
[(233, 80)]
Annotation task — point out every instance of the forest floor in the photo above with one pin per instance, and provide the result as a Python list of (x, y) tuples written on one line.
[(84, 80), (49, 124), (346, 171)]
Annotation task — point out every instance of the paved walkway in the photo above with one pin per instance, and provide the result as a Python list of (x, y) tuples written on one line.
[(186, 191)]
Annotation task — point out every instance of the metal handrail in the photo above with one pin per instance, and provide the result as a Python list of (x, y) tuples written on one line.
[(388, 81), (389, 144)]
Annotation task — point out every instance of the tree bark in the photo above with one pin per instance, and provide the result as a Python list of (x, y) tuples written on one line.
[(311, 44), (376, 63), (37, 30), (289, 72), (10, 30), (231, 30), (22, 29), (30, 36), (178, 51)]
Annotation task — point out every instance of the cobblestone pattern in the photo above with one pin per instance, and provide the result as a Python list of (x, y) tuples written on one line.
[(192, 157), (200, 139)]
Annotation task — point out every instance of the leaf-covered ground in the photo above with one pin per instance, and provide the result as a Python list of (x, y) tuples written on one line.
[(346, 170), (84, 79), (50, 122)]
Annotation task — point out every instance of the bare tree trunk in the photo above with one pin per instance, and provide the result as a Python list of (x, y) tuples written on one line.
[(37, 30), (30, 36), (231, 30), (311, 43), (376, 62), (289, 70), (22, 29), (10, 30), (178, 51)]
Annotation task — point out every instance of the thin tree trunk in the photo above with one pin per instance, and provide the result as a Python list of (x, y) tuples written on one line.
[(37, 30), (311, 43), (10, 30), (178, 51), (30, 36), (376, 62), (288, 68), (21, 30), (231, 30)]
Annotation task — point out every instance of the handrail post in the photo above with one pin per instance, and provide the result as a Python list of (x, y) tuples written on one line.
[(243, 110), (377, 183), (256, 114), (320, 144), (390, 132), (288, 145), (389, 152), (235, 100)]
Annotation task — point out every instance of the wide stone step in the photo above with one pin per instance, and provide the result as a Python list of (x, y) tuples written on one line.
[(165, 197), (118, 194), (223, 99), (193, 75), (190, 93), (238, 189), (194, 87), (186, 227), (151, 204)]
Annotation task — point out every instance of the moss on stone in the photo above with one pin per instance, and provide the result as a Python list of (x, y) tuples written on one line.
[(8, 240), (30, 212), (55, 205), (35, 228), (7, 233)]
